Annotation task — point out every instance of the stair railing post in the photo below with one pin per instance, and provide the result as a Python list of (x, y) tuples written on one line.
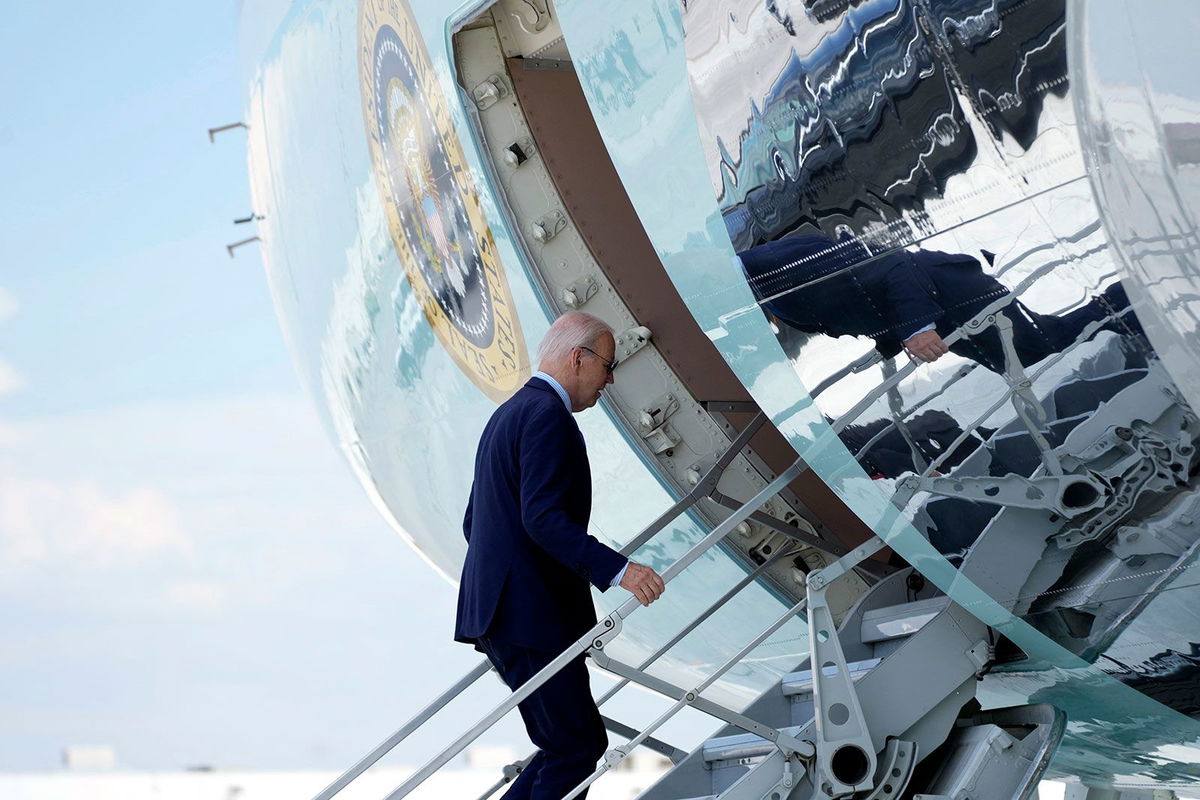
[(845, 753)]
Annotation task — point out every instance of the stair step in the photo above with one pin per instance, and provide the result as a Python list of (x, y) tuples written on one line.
[(897, 622), (799, 683), (738, 745)]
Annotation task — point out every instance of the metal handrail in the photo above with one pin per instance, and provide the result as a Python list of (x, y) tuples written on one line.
[(895, 406), (702, 488), (509, 774), (869, 359), (904, 493), (860, 364), (419, 719), (959, 374), (715, 606), (689, 698), (598, 636)]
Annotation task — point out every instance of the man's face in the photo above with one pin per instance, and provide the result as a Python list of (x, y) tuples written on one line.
[(593, 371)]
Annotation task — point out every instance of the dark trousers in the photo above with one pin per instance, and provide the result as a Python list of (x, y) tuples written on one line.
[(561, 718)]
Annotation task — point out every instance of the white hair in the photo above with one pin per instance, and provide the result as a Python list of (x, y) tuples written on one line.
[(571, 330)]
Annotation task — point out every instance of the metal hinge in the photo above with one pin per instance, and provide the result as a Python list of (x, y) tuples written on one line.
[(632, 340), (487, 93), (579, 291), (518, 152), (549, 226)]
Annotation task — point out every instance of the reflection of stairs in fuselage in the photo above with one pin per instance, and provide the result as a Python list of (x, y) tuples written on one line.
[(952, 524)]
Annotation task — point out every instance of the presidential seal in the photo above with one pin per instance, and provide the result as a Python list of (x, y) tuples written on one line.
[(432, 207)]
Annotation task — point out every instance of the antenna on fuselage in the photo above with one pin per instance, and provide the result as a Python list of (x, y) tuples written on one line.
[(212, 132), (212, 137), (230, 247)]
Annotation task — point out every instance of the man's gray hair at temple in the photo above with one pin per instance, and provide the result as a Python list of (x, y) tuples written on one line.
[(571, 330)]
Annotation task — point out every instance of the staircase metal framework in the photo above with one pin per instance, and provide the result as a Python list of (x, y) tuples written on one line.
[(606, 629), (838, 752), (858, 738)]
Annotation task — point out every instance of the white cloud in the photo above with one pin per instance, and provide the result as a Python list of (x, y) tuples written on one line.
[(10, 379), (184, 491), (198, 595), (78, 522), (9, 304), (243, 539), (12, 435)]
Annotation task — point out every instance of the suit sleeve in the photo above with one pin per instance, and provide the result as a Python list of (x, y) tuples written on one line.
[(545, 465), (910, 298)]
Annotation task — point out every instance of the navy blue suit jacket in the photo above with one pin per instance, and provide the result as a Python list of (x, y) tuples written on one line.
[(529, 555)]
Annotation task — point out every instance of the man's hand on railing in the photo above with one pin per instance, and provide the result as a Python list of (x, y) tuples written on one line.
[(645, 584), (926, 345)]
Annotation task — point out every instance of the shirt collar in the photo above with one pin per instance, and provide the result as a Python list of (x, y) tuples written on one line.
[(557, 387)]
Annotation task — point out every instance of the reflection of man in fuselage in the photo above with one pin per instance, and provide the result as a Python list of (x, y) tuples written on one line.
[(911, 301)]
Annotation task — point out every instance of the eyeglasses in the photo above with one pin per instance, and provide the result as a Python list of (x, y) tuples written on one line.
[(608, 365)]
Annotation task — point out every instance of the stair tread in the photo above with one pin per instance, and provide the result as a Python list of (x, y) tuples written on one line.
[(895, 622), (801, 682), (740, 745)]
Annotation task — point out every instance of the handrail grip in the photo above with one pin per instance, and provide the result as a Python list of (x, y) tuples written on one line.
[(607, 627), (515, 769), (419, 719)]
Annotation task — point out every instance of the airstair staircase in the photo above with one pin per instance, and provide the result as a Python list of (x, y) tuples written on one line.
[(913, 664), (881, 705)]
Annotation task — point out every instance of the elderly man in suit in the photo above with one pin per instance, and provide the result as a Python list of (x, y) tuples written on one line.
[(911, 301), (524, 594)]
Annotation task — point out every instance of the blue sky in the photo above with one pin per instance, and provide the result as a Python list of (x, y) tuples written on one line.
[(188, 573)]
